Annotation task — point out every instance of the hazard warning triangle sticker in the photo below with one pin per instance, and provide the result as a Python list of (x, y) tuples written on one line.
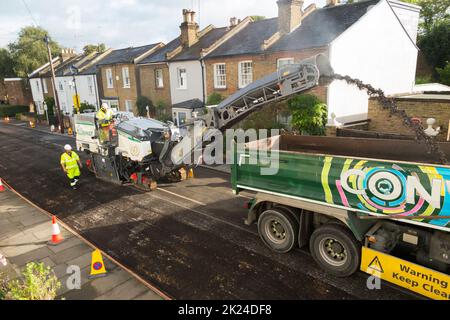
[(375, 264)]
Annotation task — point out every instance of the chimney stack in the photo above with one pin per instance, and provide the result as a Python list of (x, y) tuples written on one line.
[(332, 3), (233, 22), (66, 54), (189, 29), (289, 15)]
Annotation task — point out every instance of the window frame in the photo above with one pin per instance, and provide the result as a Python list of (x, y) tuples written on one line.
[(285, 59), (218, 85), (157, 85), (44, 86), (109, 79), (240, 74), (179, 78), (126, 80), (131, 105)]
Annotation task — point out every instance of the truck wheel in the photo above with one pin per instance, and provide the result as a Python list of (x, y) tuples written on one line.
[(278, 230), (335, 249)]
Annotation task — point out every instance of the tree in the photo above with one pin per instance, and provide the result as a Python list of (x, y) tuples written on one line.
[(433, 11), (309, 114), (435, 44), (257, 18), (90, 48), (29, 52), (6, 64), (444, 74), (142, 103), (214, 99)]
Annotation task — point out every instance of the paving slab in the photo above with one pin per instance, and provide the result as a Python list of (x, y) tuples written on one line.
[(24, 235)]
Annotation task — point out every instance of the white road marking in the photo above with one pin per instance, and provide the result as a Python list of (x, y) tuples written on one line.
[(183, 197)]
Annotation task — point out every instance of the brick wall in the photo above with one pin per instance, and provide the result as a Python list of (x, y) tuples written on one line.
[(118, 90), (2, 91), (263, 65), (19, 92), (381, 121), (148, 84)]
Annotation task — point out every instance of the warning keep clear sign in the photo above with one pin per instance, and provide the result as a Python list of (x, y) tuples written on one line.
[(424, 281)]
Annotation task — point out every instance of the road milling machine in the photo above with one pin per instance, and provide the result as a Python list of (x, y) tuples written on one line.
[(142, 151)]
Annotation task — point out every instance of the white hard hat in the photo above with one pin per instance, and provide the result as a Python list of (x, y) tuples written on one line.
[(105, 105), (67, 147)]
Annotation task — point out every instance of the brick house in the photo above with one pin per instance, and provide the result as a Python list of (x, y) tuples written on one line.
[(3, 93), (353, 36), (18, 91), (119, 82), (153, 75), (186, 67)]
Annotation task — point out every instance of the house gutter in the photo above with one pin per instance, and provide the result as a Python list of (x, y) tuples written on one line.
[(202, 64)]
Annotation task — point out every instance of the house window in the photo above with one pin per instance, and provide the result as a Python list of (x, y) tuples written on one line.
[(284, 61), (44, 85), (128, 105), (109, 79), (181, 118), (159, 78), (90, 85), (245, 73), (182, 78), (126, 77), (220, 76), (61, 86)]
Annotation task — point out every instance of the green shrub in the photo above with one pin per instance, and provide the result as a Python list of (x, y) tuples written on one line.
[(50, 102), (444, 74), (11, 111), (84, 106), (164, 117), (39, 283), (142, 103), (309, 114), (424, 80), (214, 99)]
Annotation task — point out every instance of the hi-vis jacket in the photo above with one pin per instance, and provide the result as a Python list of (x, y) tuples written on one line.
[(104, 118), (71, 165)]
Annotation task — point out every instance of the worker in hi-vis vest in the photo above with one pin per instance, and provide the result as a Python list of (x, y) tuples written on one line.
[(71, 165), (104, 119)]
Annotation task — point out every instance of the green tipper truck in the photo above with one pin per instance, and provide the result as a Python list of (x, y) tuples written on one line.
[(385, 211)]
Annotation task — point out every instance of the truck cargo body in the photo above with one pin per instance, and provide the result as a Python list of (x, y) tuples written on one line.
[(390, 198)]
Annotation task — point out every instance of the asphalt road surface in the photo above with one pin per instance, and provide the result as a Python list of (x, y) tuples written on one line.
[(188, 239)]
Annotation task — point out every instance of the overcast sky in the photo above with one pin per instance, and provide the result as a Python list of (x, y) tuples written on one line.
[(122, 23)]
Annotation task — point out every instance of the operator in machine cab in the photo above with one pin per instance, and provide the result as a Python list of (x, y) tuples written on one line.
[(104, 120), (71, 165)]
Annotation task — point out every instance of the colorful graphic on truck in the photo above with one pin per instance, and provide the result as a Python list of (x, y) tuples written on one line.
[(388, 188)]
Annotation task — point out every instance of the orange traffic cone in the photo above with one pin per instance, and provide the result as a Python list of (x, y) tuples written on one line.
[(56, 234), (2, 187)]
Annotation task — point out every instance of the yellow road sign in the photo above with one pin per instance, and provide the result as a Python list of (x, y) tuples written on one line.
[(76, 101), (97, 265), (425, 281)]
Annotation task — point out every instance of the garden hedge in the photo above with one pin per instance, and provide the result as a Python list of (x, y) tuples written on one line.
[(11, 111)]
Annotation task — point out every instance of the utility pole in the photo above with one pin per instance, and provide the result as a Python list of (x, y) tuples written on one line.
[(58, 110)]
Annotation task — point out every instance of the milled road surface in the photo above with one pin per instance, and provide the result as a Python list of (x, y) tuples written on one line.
[(188, 239)]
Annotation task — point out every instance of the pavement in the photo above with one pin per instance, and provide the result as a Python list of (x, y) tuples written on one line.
[(24, 233)]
